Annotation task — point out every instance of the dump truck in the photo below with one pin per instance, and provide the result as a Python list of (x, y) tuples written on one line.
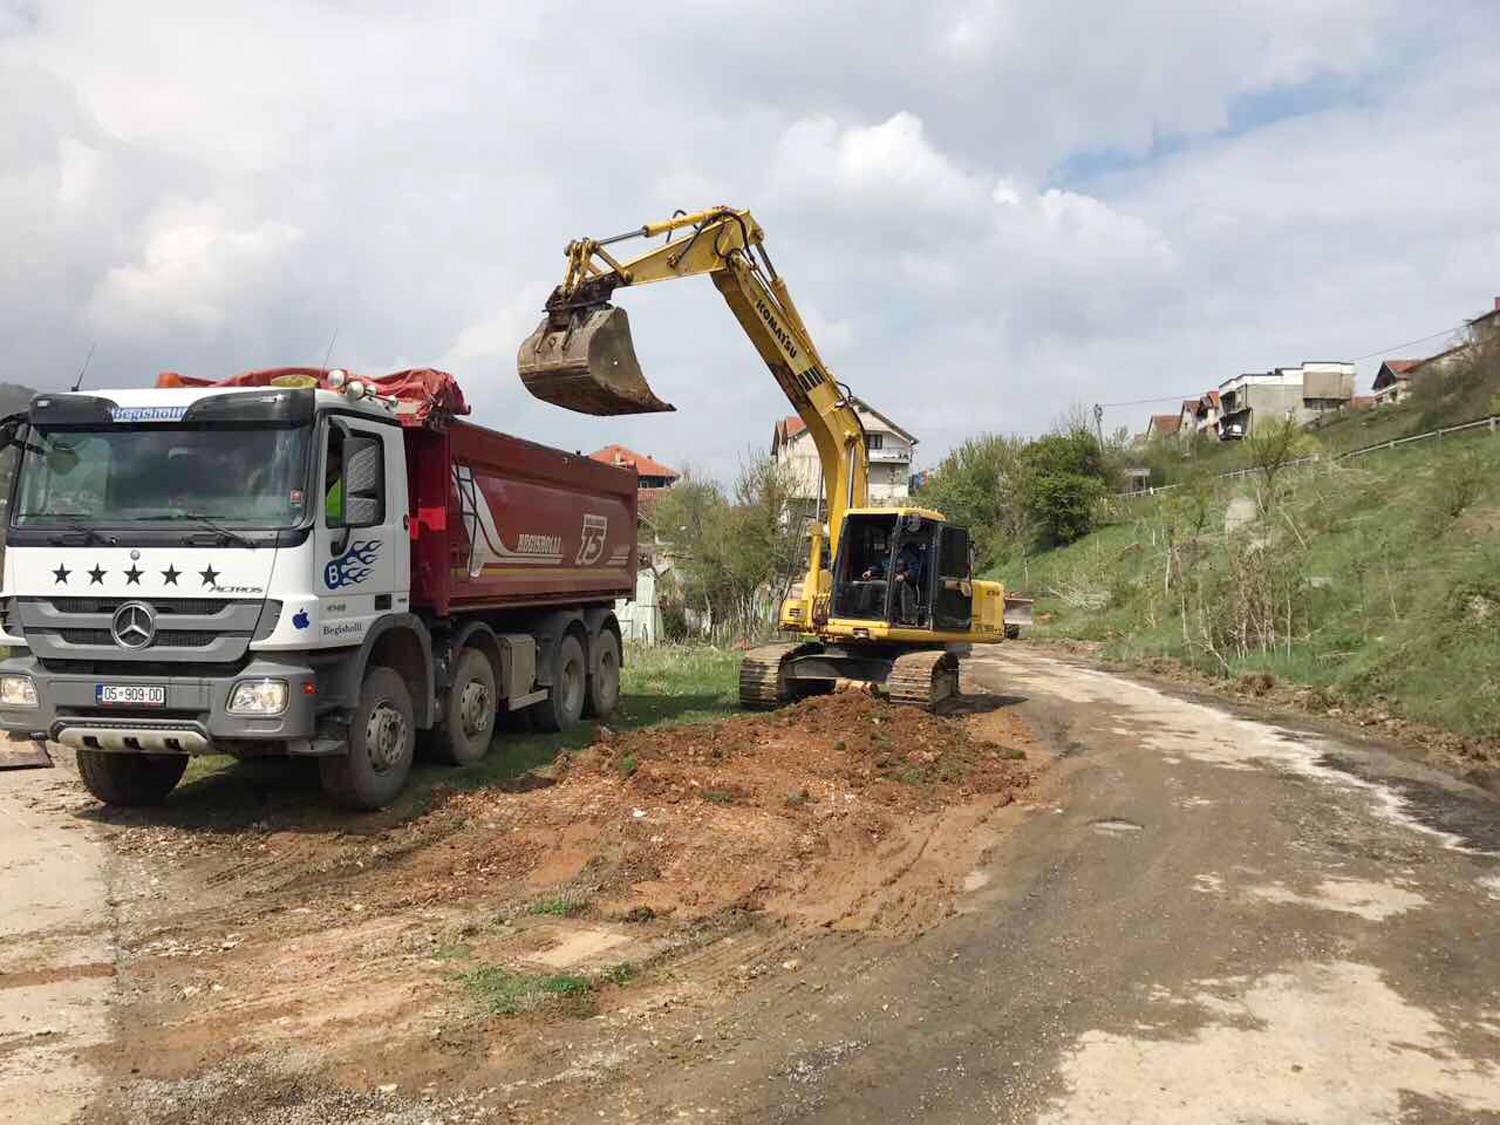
[(888, 598), (306, 563)]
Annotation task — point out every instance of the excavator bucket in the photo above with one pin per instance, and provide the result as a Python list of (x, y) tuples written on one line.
[(587, 364)]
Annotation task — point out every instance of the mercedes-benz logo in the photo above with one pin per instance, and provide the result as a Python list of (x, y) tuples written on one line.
[(134, 625)]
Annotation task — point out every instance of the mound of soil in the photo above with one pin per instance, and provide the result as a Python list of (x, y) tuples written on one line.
[(823, 812)]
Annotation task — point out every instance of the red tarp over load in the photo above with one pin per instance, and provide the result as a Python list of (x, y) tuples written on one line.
[(420, 392)]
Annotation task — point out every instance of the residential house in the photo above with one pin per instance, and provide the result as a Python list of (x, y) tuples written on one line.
[(1199, 416), (890, 451), (1393, 380), (1483, 329), (651, 475), (1300, 393), (1163, 426)]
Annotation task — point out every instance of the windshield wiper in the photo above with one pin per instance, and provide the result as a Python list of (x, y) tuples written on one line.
[(219, 529), (75, 523)]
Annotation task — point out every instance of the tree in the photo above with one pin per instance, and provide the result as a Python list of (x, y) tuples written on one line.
[(978, 486), (1274, 444), (1065, 478), (735, 555)]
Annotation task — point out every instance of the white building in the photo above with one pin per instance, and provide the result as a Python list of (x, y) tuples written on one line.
[(1300, 393), (890, 449)]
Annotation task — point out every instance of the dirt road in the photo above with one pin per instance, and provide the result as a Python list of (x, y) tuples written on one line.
[(1193, 915), (57, 947)]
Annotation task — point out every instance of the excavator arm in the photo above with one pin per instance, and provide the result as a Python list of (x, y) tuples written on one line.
[(581, 356)]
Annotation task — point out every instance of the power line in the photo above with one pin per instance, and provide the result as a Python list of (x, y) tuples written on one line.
[(1407, 344)]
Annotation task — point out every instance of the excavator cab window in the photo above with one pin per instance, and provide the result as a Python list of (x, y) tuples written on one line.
[(884, 570), (861, 577)]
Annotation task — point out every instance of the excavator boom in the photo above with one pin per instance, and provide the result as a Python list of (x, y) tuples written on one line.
[(581, 356)]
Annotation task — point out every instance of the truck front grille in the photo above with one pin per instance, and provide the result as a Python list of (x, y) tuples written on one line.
[(165, 638), (201, 607), (206, 629)]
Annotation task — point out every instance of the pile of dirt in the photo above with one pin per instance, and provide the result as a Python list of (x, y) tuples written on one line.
[(644, 878), (826, 812)]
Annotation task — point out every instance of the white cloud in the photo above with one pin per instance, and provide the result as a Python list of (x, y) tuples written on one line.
[(986, 210), (193, 270)]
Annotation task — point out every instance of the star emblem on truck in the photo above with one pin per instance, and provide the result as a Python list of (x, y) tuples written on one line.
[(170, 574), (209, 575), (61, 574), (133, 575), (96, 576)]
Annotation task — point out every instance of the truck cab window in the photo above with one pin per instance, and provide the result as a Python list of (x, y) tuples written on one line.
[(333, 479)]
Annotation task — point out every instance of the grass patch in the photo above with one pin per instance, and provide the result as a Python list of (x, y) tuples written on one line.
[(664, 686), (562, 906), (504, 992)]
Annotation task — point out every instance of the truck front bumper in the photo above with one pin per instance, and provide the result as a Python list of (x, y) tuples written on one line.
[(194, 716)]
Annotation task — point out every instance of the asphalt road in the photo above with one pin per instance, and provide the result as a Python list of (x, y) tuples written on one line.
[(1214, 919)]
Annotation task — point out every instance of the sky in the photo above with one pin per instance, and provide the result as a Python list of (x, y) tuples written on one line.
[(990, 213)]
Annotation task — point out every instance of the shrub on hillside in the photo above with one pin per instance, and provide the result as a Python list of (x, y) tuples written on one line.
[(1065, 480)]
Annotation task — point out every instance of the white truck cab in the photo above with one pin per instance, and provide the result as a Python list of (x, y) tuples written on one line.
[(193, 569)]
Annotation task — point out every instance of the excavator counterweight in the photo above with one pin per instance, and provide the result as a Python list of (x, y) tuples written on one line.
[(583, 359)]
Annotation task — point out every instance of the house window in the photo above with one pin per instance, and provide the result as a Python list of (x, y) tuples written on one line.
[(873, 441)]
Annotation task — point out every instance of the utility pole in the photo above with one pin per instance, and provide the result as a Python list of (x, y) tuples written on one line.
[(1099, 423)]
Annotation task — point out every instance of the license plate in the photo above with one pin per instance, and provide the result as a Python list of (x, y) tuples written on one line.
[(130, 695)]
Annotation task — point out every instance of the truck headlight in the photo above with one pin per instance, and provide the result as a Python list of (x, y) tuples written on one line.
[(258, 697), (17, 691)]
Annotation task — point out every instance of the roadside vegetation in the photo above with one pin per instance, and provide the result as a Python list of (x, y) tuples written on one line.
[(1375, 580)]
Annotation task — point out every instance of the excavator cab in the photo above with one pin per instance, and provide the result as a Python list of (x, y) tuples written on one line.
[(902, 568), (582, 358)]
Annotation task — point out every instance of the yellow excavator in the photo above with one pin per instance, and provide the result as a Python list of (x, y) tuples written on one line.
[(895, 604)]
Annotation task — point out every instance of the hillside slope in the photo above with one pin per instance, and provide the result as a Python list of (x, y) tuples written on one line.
[(1376, 580)]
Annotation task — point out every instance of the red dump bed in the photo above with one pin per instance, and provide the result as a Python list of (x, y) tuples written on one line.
[(497, 521)]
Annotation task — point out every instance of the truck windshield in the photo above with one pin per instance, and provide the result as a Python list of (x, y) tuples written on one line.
[(134, 474)]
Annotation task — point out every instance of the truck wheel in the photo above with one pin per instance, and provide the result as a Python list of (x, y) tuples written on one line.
[(130, 779), (382, 736), (564, 703), (468, 723), (604, 685)]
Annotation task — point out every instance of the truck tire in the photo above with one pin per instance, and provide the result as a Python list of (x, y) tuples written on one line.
[(382, 737), (468, 719), (604, 685), (563, 706), (130, 779)]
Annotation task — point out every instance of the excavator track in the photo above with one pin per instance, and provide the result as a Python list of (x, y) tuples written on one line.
[(923, 679), (763, 683)]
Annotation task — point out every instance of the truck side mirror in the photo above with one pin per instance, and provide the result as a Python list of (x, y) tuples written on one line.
[(364, 481)]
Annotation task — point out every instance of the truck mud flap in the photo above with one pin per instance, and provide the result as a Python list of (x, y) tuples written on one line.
[(24, 754)]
